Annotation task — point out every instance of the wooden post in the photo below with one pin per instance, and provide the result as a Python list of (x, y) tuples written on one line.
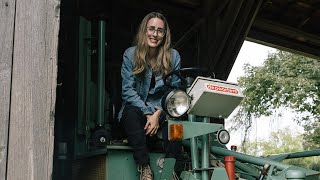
[(6, 47), (33, 90)]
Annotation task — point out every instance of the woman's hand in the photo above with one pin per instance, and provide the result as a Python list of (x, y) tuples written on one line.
[(152, 124)]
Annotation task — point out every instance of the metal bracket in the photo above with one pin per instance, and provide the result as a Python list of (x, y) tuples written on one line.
[(194, 129), (167, 170), (219, 173)]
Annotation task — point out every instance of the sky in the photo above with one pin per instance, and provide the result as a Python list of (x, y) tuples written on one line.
[(255, 54)]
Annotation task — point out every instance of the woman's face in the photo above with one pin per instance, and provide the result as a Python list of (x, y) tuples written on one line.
[(155, 32)]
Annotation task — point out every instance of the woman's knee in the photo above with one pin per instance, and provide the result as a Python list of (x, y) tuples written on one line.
[(132, 119), (131, 112)]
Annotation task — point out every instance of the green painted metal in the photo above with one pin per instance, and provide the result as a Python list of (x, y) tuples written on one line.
[(87, 112), (120, 165), (205, 152), (115, 147), (89, 116), (219, 174), (282, 168), (295, 175), (101, 72), (248, 169), (193, 147), (81, 132), (192, 130), (270, 172), (245, 175), (195, 129), (186, 175), (83, 26), (304, 154), (247, 158), (295, 172), (280, 157), (167, 170)]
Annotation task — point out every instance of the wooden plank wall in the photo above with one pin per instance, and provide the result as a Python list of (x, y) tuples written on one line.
[(6, 46), (33, 89)]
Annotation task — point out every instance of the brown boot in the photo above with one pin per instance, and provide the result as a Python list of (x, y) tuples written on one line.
[(145, 172)]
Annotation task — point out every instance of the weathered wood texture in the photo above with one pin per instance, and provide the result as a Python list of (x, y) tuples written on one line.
[(33, 91), (6, 46)]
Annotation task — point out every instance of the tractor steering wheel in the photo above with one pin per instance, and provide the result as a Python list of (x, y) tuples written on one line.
[(185, 74)]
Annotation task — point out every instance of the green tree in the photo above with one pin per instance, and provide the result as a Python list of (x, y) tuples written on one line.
[(285, 80), (282, 142)]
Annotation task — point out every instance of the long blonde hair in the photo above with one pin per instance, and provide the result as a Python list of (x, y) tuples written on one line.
[(163, 61)]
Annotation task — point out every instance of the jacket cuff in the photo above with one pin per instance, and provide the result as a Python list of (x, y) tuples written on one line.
[(158, 108), (147, 110)]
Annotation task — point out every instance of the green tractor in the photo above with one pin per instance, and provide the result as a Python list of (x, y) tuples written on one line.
[(192, 108), (88, 140)]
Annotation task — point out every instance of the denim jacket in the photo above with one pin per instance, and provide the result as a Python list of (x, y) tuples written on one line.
[(136, 90)]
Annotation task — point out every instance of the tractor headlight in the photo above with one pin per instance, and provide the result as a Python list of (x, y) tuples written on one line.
[(223, 136), (176, 103)]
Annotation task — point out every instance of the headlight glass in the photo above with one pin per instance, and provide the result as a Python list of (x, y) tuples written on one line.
[(223, 136), (177, 103)]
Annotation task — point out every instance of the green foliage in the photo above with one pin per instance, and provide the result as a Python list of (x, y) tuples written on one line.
[(279, 143), (312, 135), (285, 80)]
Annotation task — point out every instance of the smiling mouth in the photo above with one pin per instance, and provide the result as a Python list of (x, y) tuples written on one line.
[(153, 40)]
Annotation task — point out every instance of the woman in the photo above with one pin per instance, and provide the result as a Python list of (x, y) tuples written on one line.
[(143, 68)]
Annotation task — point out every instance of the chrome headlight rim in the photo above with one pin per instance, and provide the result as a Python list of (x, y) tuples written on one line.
[(168, 96), (223, 136)]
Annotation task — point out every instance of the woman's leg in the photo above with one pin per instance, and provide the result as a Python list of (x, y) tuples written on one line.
[(171, 148), (133, 122)]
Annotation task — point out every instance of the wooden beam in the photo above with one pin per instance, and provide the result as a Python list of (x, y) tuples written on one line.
[(6, 47), (187, 35), (236, 38), (283, 43), (33, 92), (222, 26), (286, 31)]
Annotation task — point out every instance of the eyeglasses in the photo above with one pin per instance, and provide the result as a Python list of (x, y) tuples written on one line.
[(160, 32)]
